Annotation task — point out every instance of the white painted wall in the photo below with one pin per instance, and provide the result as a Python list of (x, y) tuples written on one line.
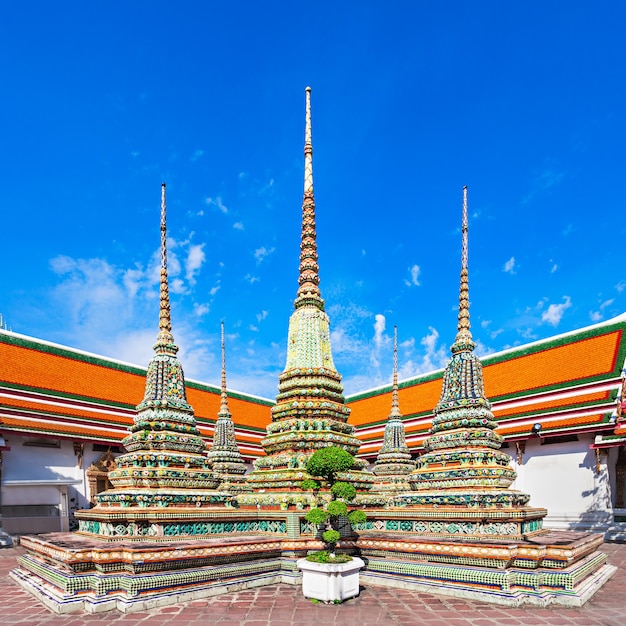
[(562, 478)]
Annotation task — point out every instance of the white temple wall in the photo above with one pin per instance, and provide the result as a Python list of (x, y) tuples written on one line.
[(40, 484), (562, 478)]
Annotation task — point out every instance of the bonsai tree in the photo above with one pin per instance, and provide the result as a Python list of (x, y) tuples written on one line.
[(325, 465)]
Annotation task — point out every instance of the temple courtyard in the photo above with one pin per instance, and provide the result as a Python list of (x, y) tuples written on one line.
[(282, 605)]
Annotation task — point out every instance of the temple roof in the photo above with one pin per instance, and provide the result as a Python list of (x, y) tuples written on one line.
[(569, 383), (50, 389)]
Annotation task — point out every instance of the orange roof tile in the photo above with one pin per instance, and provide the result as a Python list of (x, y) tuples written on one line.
[(578, 360), (28, 367), (575, 360)]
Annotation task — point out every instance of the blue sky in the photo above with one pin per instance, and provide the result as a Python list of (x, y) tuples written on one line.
[(521, 101)]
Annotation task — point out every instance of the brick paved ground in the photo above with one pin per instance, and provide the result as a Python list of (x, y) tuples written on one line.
[(284, 605)]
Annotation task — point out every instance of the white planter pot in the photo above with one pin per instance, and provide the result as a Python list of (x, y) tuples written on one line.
[(330, 582)]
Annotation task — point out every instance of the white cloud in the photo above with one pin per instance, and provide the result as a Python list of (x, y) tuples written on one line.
[(554, 267), (133, 280), (431, 356), (527, 334), (261, 316), (63, 264), (407, 344), (238, 225), (260, 254), (251, 279), (554, 313), (509, 266), (379, 329), (177, 285), (218, 203), (414, 272), (201, 309), (215, 289), (435, 356), (596, 316), (343, 342), (194, 261), (197, 154)]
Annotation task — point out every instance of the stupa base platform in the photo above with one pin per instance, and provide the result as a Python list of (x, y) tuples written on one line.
[(72, 573), (555, 567), (69, 573)]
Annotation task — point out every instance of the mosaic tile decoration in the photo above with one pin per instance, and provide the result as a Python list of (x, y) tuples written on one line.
[(310, 412), (393, 464), (224, 458)]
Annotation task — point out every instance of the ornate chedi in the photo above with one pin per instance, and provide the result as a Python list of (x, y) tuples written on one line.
[(165, 466), (224, 457), (461, 531), (394, 463), (463, 467), (310, 412)]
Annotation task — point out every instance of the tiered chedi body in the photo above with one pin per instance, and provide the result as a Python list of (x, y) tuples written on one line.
[(165, 465), (310, 412), (394, 463), (463, 467), (224, 457)]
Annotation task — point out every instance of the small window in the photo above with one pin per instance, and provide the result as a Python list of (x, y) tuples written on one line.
[(547, 441), (42, 442), (104, 447)]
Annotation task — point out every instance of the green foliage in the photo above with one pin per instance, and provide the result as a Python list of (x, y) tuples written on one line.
[(336, 508), (331, 536), (328, 462), (356, 517), (316, 516), (343, 490), (324, 556), (309, 485)]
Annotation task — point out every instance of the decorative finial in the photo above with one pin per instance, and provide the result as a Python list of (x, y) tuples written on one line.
[(308, 290), (395, 403), (308, 147), (463, 341), (165, 340), (224, 396)]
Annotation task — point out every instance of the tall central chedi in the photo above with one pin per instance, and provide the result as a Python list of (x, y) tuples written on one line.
[(310, 412)]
